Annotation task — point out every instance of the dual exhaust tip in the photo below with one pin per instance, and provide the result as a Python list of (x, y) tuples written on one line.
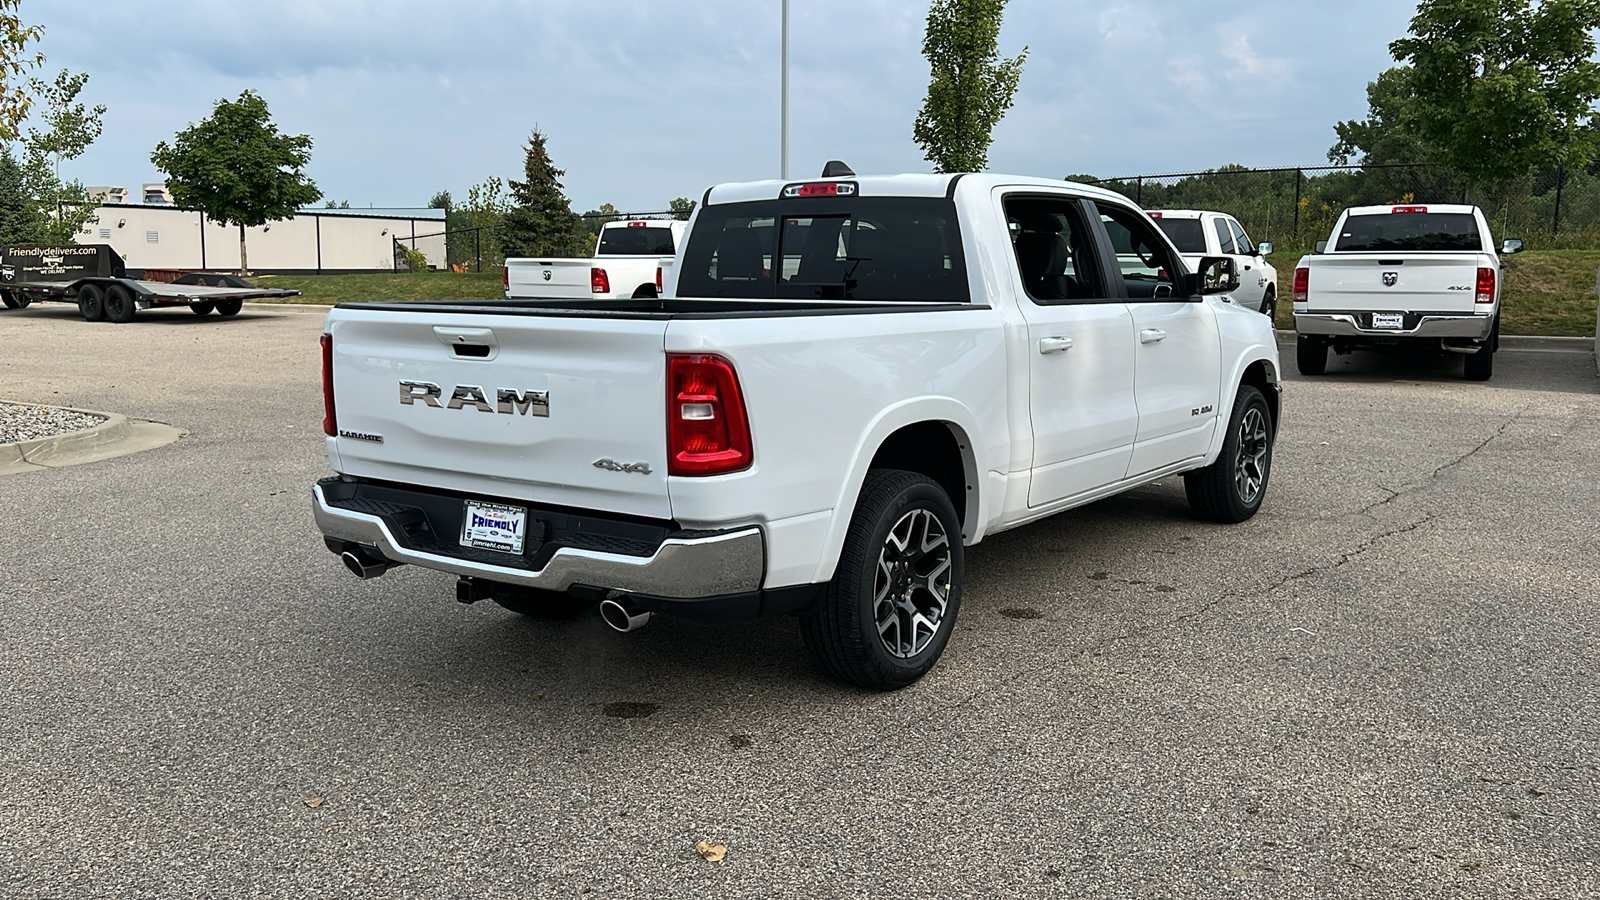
[(618, 612)]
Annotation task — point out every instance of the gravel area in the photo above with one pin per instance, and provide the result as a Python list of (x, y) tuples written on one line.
[(21, 422)]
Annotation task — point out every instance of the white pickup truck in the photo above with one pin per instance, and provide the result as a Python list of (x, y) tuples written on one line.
[(1199, 233), (626, 258), (849, 382), (1409, 274)]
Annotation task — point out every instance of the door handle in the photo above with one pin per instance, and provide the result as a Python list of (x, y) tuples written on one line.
[(1151, 335), (1054, 344)]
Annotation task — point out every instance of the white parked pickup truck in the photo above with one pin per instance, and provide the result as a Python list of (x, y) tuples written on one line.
[(1198, 233), (851, 381), (627, 256), (1410, 274)]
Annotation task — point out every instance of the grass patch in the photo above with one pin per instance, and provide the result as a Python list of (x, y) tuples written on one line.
[(1547, 292), (331, 289)]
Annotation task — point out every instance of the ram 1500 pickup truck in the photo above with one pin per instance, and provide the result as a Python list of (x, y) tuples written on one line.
[(1198, 233), (850, 381), (1393, 275), (625, 262)]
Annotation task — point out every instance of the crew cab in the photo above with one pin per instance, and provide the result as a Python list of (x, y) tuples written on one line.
[(1198, 233), (849, 382), (1396, 275), (626, 258)]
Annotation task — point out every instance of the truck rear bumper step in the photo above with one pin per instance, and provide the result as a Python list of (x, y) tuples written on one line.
[(1426, 325), (705, 565)]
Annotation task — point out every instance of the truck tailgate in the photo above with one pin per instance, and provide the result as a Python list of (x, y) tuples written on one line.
[(450, 401), (548, 279), (1435, 282)]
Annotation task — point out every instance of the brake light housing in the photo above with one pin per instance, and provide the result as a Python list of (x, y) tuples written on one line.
[(330, 422), (821, 189), (708, 431), (1302, 284), (598, 282), (1409, 209), (1485, 284)]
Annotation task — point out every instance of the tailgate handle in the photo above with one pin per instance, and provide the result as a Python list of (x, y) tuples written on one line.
[(468, 343)]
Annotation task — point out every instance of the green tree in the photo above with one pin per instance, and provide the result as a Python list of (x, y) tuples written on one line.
[(69, 128), (542, 222), (1501, 87), (682, 208), (237, 168), (595, 219), (475, 224), (970, 86), (21, 221), (15, 61), (336, 204)]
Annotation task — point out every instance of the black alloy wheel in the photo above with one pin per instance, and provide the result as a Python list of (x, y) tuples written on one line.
[(1232, 488), (92, 302), (119, 304)]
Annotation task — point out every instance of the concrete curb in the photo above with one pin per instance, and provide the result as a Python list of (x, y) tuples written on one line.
[(41, 451)]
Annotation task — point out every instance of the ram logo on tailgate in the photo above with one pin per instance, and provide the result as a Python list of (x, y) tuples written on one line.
[(508, 401)]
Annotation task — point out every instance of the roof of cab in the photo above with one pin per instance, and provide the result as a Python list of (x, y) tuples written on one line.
[(910, 185), (1388, 208)]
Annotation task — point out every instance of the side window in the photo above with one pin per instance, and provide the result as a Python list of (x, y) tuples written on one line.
[(1149, 270), (1241, 240), (1055, 253), (1224, 236)]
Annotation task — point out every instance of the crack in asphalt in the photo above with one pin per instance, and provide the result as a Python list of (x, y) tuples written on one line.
[(1498, 432)]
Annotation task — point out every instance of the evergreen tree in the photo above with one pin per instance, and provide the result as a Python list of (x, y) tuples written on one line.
[(541, 222), (21, 221)]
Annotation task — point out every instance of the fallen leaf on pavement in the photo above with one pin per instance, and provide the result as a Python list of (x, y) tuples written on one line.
[(711, 852), (314, 802)]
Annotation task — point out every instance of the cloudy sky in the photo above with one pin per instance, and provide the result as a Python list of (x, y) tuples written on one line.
[(646, 100)]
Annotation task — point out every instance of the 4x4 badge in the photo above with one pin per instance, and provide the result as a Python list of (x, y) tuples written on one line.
[(611, 465)]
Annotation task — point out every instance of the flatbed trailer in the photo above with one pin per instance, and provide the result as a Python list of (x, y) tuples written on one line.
[(92, 276)]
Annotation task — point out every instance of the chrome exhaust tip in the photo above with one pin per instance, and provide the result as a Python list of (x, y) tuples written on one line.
[(363, 566), (623, 616)]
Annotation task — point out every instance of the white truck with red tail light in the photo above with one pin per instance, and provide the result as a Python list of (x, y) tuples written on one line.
[(847, 383), (1410, 274), (625, 265)]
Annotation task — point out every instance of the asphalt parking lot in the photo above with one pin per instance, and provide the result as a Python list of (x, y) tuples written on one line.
[(1385, 684)]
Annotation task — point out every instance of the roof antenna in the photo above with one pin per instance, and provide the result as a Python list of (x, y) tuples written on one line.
[(836, 169)]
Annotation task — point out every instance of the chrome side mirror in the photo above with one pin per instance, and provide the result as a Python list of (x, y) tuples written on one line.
[(1264, 248), (1217, 275), (1511, 245), (1320, 247)]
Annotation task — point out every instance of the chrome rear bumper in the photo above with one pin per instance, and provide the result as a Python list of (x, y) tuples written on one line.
[(1428, 325)]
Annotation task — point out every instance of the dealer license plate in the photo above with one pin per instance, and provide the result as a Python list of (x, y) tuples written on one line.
[(491, 526), (1388, 320)]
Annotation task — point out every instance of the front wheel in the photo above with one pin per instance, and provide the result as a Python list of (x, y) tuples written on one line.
[(1231, 489), (1310, 354), (1269, 307), (888, 613)]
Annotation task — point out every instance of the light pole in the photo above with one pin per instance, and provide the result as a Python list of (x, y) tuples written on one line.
[(783, 168)]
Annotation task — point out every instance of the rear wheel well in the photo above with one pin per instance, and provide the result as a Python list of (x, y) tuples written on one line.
[(1256, 376), (933, 449)]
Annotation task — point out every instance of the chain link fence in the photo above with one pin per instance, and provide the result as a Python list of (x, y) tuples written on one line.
[(1295, 207), (478, 249)]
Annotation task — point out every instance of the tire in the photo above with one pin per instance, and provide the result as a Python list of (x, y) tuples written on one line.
[(202, 309), (1269, 307), (882, 622), (10, 300), (538, 604), (1480, 366), (23, 300), (119, 304), (1310, 355), (229, 307), (1231, 489), (92, 303)]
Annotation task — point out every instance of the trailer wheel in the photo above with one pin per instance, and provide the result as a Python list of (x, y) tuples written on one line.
[(119, 304), (92, 303), (10, 300), (229, 307), (201, 309)]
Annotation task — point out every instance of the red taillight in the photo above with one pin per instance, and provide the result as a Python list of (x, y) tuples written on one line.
[(1409, 209), (330, 423), (637, 224), (598, 282), (1302, 284), (821, 189), (505, 277), (707, 430), (1485, 285), (1153, 215), (658, 281)]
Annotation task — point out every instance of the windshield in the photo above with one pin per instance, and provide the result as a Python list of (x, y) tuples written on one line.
[(1409, 231), (637, 240), (1185, 233), (835, 248)]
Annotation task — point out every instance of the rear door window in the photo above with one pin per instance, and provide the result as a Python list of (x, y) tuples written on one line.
[(1409, 231), (1055, 250), (1224, 236), (883, 249)]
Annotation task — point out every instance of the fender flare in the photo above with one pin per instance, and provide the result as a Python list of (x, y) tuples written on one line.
[(1251, 356)]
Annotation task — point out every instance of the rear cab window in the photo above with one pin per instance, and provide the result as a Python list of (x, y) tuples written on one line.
[(1404, 232), (881, 249), (1186, 234), (635, 240)]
